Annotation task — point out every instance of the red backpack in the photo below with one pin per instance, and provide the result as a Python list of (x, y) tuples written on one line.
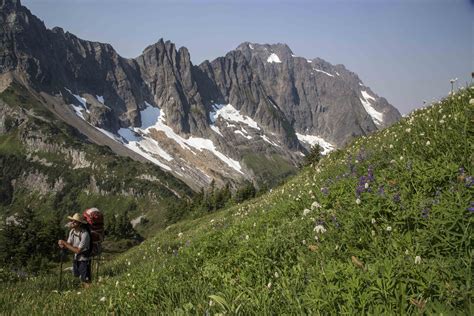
[(95, 225)]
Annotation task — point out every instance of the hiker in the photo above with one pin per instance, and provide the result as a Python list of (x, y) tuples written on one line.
[(78, 242)]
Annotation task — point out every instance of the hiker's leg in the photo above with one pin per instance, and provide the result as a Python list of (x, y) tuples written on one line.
[(85, 271), (75, 268)]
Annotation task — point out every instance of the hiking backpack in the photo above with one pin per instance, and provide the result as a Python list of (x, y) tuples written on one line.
[(95, 226)]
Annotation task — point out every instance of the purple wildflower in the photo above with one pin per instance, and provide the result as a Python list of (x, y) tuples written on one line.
[(425, 213), (325, 191), (370, 174), (469, 181), (381, 190), (396, 198), (471, 207)]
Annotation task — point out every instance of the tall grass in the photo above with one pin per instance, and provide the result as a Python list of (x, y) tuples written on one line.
[(383, 226)]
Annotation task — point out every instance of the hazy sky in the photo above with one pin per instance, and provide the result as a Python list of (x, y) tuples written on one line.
[(406, 51)]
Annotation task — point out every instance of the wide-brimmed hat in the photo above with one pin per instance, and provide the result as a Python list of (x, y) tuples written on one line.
[(77, 218)]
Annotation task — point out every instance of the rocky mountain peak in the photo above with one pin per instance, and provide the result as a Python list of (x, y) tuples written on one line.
[(10, 4), (272, 53)]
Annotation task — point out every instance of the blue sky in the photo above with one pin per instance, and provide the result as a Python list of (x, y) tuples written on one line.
[(406, 51)]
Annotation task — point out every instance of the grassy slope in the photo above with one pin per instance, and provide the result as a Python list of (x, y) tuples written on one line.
[(265, 257)]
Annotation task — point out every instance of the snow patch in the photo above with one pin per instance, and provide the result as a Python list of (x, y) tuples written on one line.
[(273, 59), (265, 138), (313, 140), (216, 129), (100, 99), (309, 61), (322, 71), (376, 115), (241, 133), (229, 113), (250, 46)]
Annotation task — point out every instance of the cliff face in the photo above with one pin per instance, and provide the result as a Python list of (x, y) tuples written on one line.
[(201, 123)]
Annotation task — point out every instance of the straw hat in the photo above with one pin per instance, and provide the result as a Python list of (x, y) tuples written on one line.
[(77, 218)]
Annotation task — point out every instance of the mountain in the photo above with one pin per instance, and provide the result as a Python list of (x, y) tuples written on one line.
[(250, 115)]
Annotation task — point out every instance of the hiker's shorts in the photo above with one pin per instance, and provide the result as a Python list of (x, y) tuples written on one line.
[(82, 269)]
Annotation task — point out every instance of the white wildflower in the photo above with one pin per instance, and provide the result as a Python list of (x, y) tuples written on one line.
[(211, 303), (428, 143), (417, 260), (319, 229), (366, 185), (102, 299), (315, 205), (408, 130), (389, 228), (401, 157), (276, 275), (180, 235), (116, 283), (441, 121), (303, 241), (306, 212), (392, 161), (358, 201), (269, 285), (471, 102), (78, 293), (373, 221), (247, 237), (407, 252)]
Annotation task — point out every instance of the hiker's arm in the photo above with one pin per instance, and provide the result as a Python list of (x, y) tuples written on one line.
[(76, 250)]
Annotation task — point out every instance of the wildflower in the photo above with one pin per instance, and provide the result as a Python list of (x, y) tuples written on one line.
[(428, 143), (102, 299), (180, 235), (357, 201), (401, 157), (78, 293), (441, 121), (247, 237), (116, 283), (211, 303), (425, 213), (373, 221), (408, 130), (315, 205), (325, 191), (276, 274), (319, 229), (396, 198), (389, 228), (306, 212), (417, 260), (407, 252), (392, 161), (269, 285), (391, 146), (303, 242), (366, 185), (471, 207), (471, 102)]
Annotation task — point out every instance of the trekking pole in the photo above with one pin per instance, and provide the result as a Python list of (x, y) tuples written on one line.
[(98, 263), (61, 257)]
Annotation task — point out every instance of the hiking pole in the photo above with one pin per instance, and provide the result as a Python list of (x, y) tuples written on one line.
[(61, 257)]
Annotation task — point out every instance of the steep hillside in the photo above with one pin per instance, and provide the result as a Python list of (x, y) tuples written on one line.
[(383, 226)]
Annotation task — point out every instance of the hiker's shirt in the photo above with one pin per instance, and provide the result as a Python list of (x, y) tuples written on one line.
[(80, 240)]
